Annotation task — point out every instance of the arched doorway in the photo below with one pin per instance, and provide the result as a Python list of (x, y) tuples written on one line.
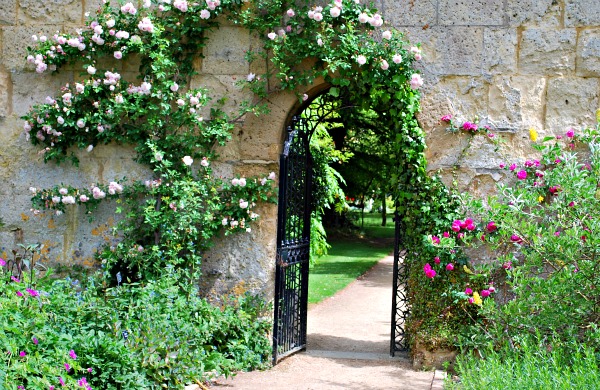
[(293, 235)]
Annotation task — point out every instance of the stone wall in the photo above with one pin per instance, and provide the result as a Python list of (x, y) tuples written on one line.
[(517, 63)]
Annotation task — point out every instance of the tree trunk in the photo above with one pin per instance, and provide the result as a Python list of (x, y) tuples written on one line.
[(383, 209)]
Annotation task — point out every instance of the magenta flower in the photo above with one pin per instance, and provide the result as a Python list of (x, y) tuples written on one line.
[(522, 175), (507, 265), (512, 167), (14, 279), (449, 267), (61, 381), (67, 367), (436, 260), (491, 227), (571, 204), (19, 294), (22, 353), (470, 227), (471, 300), (456, 227), (72, 355), (491, 289), (2, 262), (570, 133), (446, 118), (460, 236), (33, 293), (35, 341), (51, 388), (502, 165), (82, 382), (516, 238), (435, 239), (485, 293), (468, 291), (482, 238), (429, 272), (446, 234), (554, 190), (469, 126)]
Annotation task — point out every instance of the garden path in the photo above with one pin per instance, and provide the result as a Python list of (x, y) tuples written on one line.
[(348, 346)]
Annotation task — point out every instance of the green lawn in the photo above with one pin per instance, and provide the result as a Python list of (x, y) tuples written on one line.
[(372, 225)]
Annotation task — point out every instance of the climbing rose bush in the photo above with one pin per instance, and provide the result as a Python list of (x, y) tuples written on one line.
[(525, 262)]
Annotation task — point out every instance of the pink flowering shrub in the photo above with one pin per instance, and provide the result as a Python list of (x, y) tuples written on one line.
[(540, 237)]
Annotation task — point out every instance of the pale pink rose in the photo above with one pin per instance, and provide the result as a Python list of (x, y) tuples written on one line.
[(83, 198), (66, 98), (363, 18), (91, 70), (290, 12), (418, 57), (181, 5), (60, 120), (361, 59), (416, 81), (68, 199), (122, 35), (174, 87), (397, 58), (187, 160), (243, 204), (43, 38), (89, 148), (319, 42), (119, 99), (250, 77), (304, 97), (80, 88), (335, 12), (63, 191), (80, 123), (387, 34), (204, 162), (128, 9), (118, 54), (384, 65), (272, 35), (272, 176), (311, 14), (110, 23), (146, 25), (98, 30), (318, 16), (204, 14), (235, 181)]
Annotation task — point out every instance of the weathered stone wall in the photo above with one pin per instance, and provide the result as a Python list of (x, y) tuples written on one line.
[(517, 63)]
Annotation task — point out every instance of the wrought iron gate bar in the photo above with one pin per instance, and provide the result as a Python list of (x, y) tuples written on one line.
[(293, 243), (400, 308)]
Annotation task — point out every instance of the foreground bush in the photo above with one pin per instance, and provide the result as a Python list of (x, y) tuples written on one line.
[(564, 367), (159, 334)]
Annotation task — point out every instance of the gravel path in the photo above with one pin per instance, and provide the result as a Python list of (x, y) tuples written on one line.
[(348, 346)]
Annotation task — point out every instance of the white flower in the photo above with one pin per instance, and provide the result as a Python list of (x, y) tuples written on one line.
[(204, 162), (304, 97), (80, 88), (128, 9), (97, 193), (68, 199), (416, 81), (290, 12), (158, 156), (63, 191), (272, 176), (204, 14), (335, 12), (387, 34), (243, 204), (56, 199), (80, 123), (145, 88), (319, 42), (27, 126), (180, 102), (60, 120), (110, 23), (174, 87), (122, 34), (90, 148), (66, 98), (98, 29), (242, 182), (272, 35), (119, 99), (118, 54), (363, 18), (318, 16), (83, 198), (397, 58), (187, 160), (361, 59), (33, 190), (384, 65), (250, 77), (43, 38), (91, 70), (114, 188), (235, 181)]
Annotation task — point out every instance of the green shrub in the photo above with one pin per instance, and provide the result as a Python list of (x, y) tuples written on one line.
[(131, 336)]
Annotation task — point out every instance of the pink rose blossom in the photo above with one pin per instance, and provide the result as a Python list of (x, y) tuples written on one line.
[(290, 12), (436, 260), (522, 175), (468, 291), (485, 293), (416, 81), (446, 118), (570, 133), (449, 267)]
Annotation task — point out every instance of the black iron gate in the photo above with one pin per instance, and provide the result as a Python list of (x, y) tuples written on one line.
[(293, 243), (400, 308)]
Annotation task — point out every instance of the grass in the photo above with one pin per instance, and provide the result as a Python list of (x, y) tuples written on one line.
[(349, 258), (372, 225)]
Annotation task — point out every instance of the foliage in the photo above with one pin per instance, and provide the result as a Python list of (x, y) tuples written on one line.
[(130, 336), (570, 366), (536, 243)]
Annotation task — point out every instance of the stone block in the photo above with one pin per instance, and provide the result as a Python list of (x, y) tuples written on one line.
[(581, 13), (8, 12), (534, 13), (5, 95), (548, 52), (220, 86), (588, 53), (571, 102), (471, 12), (500, 50), (225, 50), (32, 88), (449, 50), (444, 148), (456, 95), (516, 102), (56, 11), (15, 41), (410, 13)]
